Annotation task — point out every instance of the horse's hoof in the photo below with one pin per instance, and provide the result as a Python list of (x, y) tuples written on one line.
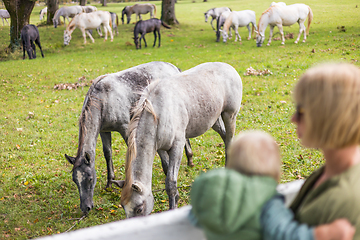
[(304, 41), (284, 43), (268, 44), (248, 38), (296, 42)]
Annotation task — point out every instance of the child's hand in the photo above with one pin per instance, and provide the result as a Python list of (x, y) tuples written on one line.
[(340, 229)]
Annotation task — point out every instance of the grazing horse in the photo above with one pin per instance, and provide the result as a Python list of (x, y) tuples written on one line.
[(215, 14), (66, 12), (184, 106), (86, 21), (107, 108), (4, 14), (138, 9), (220, 22), (280, 16), (43, 12), (143, 27), (29, 35), (239, 19)]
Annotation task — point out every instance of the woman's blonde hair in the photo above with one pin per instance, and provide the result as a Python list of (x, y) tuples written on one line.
[(255, 153), (329, 95)]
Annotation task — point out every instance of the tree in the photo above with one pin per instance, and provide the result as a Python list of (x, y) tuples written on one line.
[(53, 6), (82, 2), (20, 11), (104, 3), (168, 12)]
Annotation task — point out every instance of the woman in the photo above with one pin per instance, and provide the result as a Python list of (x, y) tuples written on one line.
[(327, 116)]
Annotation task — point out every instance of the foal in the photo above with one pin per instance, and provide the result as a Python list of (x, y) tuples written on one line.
[(143, 27), (29, 34)]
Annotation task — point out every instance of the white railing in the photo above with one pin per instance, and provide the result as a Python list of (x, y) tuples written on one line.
[(172, 224)]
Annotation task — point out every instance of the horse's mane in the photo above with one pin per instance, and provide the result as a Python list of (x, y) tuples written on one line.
[(56, 14), (266, 11), (142, 105), (89, 102), (71, 25), (228, 22)]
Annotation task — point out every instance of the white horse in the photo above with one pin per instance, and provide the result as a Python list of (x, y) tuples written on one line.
[(43, 12), (284, 16), (138, 9), (66, 12), (4, 14), (89, 9), (86, 21), (239, 19), (278, 3), (215, 14)]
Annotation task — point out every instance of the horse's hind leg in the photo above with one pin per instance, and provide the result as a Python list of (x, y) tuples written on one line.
[(249, 29), (106, 141), (154, 38), (219, 127), (33, 49), (37, 41), (189, 153), (229, 119), (302, 28)]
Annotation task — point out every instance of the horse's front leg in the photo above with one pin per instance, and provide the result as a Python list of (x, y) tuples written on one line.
[(110, 32), (212, 24), (249, 29), (106, 141), (270, 35), (88, 33), (175, 154), (33, 49), (280, 27), (143, 37), (237, 35)]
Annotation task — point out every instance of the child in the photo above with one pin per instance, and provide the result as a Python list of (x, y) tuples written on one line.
[(227, 203)]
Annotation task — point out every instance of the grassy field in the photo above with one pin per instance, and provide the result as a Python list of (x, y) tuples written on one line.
[(39, 124)]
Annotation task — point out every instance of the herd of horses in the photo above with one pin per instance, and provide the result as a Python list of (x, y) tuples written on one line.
[(278, 14), (131, 102)]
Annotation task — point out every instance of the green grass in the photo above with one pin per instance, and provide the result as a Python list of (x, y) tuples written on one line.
[(37, 195)]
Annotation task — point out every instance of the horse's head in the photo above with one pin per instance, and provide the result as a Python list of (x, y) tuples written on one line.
[(260, 38), (55, 22), (67, 37), (136, 42), (137, 201), (206, 16), (84, 176)]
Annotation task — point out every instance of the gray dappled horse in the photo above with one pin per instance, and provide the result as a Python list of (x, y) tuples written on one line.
[(147, 26), (138, 9), (206, 96), (107, 108), (29, 35), (66, 12)]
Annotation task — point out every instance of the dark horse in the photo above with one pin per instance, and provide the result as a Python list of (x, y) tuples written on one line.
[(143, 27), (29, 34)]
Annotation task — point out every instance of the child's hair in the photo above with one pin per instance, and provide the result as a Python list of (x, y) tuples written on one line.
[(329, 96), (255, 153)]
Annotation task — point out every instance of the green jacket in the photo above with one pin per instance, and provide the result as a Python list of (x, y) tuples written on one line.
[(338, 197), (227, 204)]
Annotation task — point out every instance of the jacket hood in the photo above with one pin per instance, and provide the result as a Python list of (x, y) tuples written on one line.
[(224, 201)]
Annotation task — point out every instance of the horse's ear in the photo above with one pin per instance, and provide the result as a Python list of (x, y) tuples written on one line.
[(136, 187), (119, 183), (70, 159), (87, 158)]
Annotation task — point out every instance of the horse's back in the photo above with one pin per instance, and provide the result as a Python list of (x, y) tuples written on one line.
[(4, 13), (200, 94), (290, 14), (244, 17)]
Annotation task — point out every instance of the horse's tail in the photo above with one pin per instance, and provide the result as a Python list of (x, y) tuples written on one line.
[(228, 22), (310, 18), (165, 25), (154, 10), (110, 22)]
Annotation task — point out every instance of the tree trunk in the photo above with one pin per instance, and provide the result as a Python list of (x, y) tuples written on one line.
[(168, 12), (53, 6), (104, 3), (20, 11), (82, 2)]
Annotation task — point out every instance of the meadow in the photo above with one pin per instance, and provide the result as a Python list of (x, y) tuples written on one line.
[(39, 124)]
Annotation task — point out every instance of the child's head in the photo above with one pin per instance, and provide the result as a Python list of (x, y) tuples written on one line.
[(255, 153)]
